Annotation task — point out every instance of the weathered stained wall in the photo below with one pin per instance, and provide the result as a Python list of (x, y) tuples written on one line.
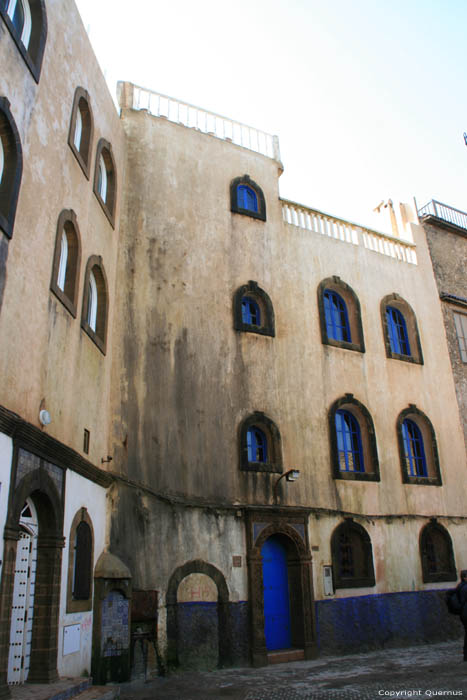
[(45, 355), (186, 379), (448, 250)]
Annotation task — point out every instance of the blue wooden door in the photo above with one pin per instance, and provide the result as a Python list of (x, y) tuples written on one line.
[(276, 595)]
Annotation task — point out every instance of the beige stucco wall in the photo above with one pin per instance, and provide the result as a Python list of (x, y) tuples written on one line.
[(44, 354)]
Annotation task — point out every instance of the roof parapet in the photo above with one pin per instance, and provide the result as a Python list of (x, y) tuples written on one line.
[(132, 96)]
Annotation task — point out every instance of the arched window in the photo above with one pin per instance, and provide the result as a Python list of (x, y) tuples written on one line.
[(27, 23), (253, 310), (95, 302), (80, 563), (335, 313), (398, 338), (417, 448), (81, 129), (257, 445), (340, 315), (105, 179), (260, 444), (400, 330), (414, 451), (11, 168), (251, 314), (67, 257), (349, 442), (352, 556), (353, 444), (436, 554), (246, 197)]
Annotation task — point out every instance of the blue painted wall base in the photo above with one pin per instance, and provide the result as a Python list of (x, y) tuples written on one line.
[(350, 625)]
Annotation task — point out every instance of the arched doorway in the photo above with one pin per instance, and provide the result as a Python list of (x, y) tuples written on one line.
[(281, 588), (23, 596), (276, 594)]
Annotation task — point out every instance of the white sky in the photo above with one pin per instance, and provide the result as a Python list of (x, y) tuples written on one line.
[(368, 97)]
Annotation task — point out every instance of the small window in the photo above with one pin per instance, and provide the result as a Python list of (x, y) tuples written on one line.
[(335, 313), (340, 315), (246, 197), (417, 448), (401, 336), (105, 179), (81, 129), (353, 444), (414, 451), (436, 554), (253, 310), (257, 445), (80, 563), (260, 444), (11, 168), (349, 442), (352, 556), (27, 23), (460, 321), (67, 257), (94, 314)]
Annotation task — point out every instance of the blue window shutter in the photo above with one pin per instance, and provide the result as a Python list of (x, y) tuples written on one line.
[(246, 198), (349, 442), (335, 313), (397, 329), (250, 312), (414, 450), (256, 445)]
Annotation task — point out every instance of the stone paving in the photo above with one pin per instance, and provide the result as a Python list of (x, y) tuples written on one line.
[(430, 671)]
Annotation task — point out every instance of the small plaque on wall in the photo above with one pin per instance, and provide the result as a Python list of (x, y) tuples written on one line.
[(71, 639), (327, 580)]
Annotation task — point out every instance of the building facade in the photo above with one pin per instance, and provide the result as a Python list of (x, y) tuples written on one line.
[(224, 438)]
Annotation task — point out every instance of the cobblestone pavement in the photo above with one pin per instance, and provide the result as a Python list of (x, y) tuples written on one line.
[(435, 670)]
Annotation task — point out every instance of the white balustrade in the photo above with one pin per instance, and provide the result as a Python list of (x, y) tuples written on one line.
[(318, 222), (135, 97)]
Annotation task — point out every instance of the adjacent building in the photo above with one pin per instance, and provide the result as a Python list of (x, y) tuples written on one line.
[(228, 422)]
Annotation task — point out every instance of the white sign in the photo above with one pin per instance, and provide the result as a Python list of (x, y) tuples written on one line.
[(71, 639)]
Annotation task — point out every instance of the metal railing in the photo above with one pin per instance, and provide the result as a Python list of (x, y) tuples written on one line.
[(445, 213), (319, 222), (136, 97)]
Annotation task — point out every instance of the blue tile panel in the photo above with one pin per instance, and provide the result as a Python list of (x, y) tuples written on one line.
[(114, 630), (392, 619)]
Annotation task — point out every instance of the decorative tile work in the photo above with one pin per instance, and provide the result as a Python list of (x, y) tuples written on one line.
[(56, 474), (300, 528), (115, 630)]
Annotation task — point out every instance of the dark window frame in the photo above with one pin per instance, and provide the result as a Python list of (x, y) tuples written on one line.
[(403, 307), (424, 424), (273, 461), (354, 314), (429, 576), (368, 437), (234, 206), (68, 221), (98, 336), (104, 149), (84, 154), (34, 54), (263, 300), (12, 169), (366, 573)]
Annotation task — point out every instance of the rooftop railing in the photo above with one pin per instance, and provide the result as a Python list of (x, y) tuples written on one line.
[(326, 225), (445, 213), (135, 97)]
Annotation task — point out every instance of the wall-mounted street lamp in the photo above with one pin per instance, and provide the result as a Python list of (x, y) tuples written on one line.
[(291, 475)]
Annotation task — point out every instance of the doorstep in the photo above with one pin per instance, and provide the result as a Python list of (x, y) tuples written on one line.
[(283, 656), (64, 689)]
